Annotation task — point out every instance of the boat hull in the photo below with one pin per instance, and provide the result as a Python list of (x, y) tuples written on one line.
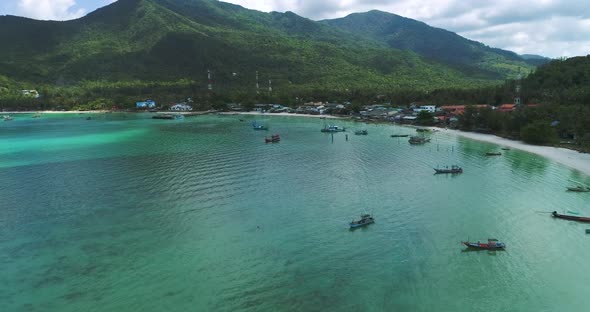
[(451, 171), (576, 189), (358, 225), (484, 246), (570, 218)]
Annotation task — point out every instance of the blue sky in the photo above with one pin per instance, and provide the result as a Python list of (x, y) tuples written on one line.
[(553, 28)]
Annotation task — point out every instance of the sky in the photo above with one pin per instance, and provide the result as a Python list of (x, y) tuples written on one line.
[(553, 28)]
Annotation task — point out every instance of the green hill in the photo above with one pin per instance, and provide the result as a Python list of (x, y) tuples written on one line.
[(560, 82), (131, 46), (407, 34)]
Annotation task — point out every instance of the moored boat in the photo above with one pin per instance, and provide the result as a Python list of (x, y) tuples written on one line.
[(571, 218), (366, 219), (7, 118), (275, 138), (361, 132), (168, 116), (416, 140), (493, 154), (454, 170), (333, 128), (578, 189), (492, 244), (400, 135)]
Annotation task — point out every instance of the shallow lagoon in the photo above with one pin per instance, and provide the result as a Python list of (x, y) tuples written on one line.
[(127, 213)]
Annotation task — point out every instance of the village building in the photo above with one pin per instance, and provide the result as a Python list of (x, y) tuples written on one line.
[(145, 104), (181, 107)]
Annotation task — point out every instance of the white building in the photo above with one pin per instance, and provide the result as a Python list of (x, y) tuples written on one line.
[(31, 93), (428, 108), (181, 107)]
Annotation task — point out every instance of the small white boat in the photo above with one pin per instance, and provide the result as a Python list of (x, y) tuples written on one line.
[(7, 118)]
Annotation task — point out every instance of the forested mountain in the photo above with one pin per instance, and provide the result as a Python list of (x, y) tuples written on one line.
[(172, 40), (407, 34)]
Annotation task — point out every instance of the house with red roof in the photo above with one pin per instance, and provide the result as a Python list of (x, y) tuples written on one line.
[(506, 108)]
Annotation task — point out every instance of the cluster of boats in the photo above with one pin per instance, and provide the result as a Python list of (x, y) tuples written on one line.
[(7, 118), (492, 244)]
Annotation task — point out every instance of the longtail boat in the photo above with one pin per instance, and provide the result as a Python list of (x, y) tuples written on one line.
[(332, 129), (571, 218), (366, 219), (275, 138), (493, 154), (454, 170), (492, 244), (578, 189)]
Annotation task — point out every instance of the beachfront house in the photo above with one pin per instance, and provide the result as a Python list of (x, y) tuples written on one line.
[(145, 104)]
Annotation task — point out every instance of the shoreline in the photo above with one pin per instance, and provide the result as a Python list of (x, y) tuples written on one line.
[(59, 112), (567, 157)]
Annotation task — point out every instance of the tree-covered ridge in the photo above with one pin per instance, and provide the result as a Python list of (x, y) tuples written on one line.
[(169, 40), (439, 44), (564, 81)]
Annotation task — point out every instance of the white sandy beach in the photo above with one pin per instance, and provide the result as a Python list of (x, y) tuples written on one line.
[(570, 158), (57, 112), (283, 114)]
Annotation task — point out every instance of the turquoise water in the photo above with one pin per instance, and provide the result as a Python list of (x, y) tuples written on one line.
[(126, 213)]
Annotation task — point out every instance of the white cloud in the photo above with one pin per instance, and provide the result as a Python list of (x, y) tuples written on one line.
[(49, 9), (549, 27)]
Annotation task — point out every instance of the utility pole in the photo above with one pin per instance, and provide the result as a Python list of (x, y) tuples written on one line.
[(517, 100), (257, 85)]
